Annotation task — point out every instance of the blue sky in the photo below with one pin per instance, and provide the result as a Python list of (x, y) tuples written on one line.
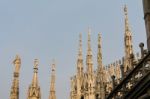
[(47, 29)]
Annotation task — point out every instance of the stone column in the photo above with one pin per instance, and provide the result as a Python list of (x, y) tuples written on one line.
[(146, 7)]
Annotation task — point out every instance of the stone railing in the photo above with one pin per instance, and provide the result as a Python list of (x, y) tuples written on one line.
[(138, 73)]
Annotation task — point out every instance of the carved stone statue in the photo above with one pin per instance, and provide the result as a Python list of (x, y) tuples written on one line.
[(17, 63)]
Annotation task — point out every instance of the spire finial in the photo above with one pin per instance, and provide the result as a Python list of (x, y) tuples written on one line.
[(99, 54), (36, 63), (52, 84), (35, 77), (89, 33), (17, 63), (89, 39), (80, 43), (53, 65), (125, 10), (99, 39), (126, 19)]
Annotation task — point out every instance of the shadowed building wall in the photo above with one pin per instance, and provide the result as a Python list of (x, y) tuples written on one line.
[(146, 7)]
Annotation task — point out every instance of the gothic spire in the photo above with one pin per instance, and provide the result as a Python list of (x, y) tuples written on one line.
[(34, 88), (80, 57), (100, 72), (52, 84), (99, 54), (89, 61), (14, 94), (128, 41), (127, 29)]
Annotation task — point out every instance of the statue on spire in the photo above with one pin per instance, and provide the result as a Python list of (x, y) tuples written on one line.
[(34, 88), (52, 84), (36, 63), (17, 63), (14, 94), (80, 44)]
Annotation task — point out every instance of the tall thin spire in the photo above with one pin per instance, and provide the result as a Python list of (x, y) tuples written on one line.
[(34, 88), (80, 57), (99, 54), (128, 42), (127, 28), (89, 61), (100, 71), (35, 78), (52, 84), (14, 94)]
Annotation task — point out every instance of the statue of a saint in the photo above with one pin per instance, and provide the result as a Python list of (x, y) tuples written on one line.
[(17, 63)]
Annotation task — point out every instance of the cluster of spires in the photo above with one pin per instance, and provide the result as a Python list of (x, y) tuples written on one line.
[(104, 74), (34, 88), (89, 74), (89, 62), (127, 42)]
